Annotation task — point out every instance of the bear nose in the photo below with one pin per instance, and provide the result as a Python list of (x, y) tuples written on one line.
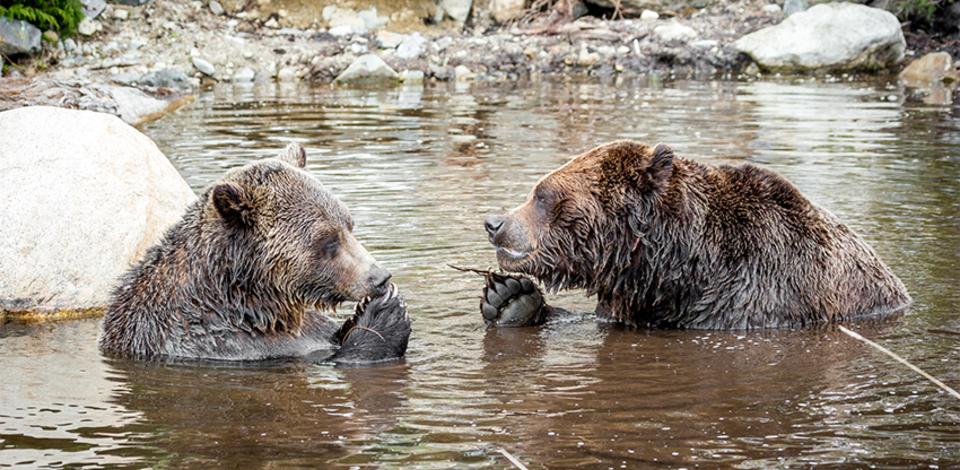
[(379, 280), (493, 225)]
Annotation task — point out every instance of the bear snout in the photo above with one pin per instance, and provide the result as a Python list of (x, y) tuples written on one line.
[(493, 224), (379, 280)]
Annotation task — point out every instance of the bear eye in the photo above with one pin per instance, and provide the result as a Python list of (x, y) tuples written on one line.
[(544, 201), (330, 246)]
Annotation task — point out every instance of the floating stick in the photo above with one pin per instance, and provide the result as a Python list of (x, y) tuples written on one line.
[(513, 460), (902, 361)]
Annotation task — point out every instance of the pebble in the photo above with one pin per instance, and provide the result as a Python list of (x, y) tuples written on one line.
[(462, 73), (244, 75), (411, 47), (412, 77), (203, 66), (287, 74), (346, 30), (587, 58), (649, 15), (121, 14), (69, 45), (216, 8), (675, 31), (89, 27), (705, 44), (389, 39)]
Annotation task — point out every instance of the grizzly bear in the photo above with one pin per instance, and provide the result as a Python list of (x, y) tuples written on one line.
[(665, 241), (243, 275)]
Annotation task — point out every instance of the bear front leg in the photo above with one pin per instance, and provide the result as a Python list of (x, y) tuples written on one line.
[(377, 331), (510, 301)]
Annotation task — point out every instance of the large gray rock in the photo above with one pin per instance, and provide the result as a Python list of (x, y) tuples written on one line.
[(367, 70), (82, 196), (828, 36), (18, 37)]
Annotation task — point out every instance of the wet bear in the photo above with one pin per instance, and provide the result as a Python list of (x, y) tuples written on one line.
[(665, 241), (245, 273)]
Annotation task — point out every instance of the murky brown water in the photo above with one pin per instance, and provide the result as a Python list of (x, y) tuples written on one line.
[(420, 169)]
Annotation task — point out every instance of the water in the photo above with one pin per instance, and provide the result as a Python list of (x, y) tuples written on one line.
[(420, 169)]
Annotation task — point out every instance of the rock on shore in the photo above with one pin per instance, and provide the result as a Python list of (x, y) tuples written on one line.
[(84, 195), (828, 36)]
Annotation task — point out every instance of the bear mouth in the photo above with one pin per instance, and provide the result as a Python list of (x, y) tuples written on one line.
[(514, 255)]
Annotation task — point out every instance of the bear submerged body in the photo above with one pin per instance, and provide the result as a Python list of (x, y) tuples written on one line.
[(664, 241), (244, 274)]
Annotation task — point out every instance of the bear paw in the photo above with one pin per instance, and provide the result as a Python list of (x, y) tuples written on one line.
[(377, 331), (512, 301)]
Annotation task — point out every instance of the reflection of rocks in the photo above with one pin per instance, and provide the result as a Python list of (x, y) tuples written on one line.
[(934, 76), (831, 36), (84, 196)]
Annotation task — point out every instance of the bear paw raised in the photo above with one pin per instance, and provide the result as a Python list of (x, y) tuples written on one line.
[(377, 331), (512, 301)]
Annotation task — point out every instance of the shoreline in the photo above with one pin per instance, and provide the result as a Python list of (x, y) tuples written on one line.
[(147, 60)]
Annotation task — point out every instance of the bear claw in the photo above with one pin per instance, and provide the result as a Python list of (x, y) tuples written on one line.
[(511, 301)]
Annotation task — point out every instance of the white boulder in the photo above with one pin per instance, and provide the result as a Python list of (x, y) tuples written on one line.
[(83, 197), (829, 36)]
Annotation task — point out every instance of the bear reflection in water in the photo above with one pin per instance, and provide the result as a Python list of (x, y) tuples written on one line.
[(243, 275), (665, 241)]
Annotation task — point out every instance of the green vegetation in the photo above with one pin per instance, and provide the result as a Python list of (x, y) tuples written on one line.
[(62, 16), (906, 9)]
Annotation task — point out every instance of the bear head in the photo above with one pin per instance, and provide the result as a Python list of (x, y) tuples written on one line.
[(578, 227), (285, 242)]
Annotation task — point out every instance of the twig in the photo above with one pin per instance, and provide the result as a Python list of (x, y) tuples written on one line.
[(513, 460), (902, 361), (360, 328)]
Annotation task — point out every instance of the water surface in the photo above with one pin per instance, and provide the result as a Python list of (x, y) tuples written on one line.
[(420, 169)]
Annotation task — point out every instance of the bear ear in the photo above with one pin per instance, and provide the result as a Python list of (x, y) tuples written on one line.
[(295, 155), (661, 164), (233, 204)]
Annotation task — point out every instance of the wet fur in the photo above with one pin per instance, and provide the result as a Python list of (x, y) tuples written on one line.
[(665, 241), (240, 277)]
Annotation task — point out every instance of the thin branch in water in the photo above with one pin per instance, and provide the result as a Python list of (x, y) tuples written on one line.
[(513, 460), (902, 361)]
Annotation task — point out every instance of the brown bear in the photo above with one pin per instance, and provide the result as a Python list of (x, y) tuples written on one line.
[(243, 275), (665, 241)]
